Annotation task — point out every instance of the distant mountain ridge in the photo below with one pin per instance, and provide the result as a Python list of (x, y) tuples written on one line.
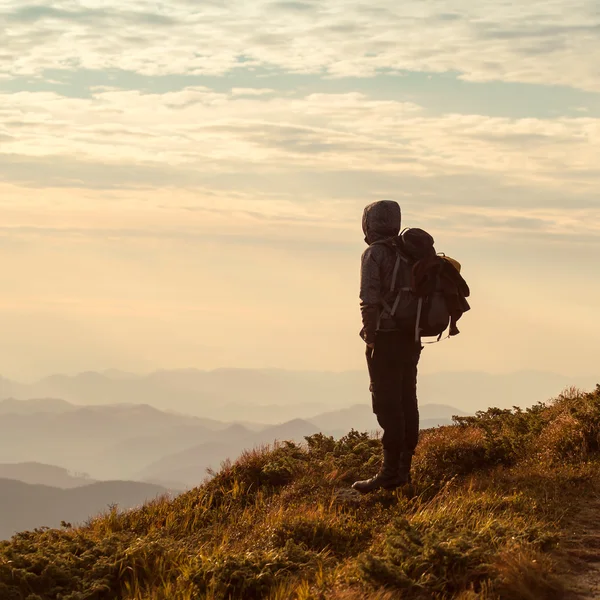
[(24, 506), (139, 442), (35, 473), (81, 439), (140, 422), (12, 406), (272, 395)]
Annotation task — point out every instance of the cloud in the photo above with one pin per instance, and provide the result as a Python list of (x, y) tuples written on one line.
[(287, 217), (197, 135), (37, 13), (251, 91), (541, 42), (294, 6), (255, 164)]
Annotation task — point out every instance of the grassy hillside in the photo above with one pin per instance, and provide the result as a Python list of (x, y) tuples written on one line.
[(496, 510)]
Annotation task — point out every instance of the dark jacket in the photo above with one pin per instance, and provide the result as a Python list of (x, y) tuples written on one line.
[(422, 277), (381, 220)]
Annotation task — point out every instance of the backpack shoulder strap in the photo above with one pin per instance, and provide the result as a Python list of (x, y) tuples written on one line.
[(399, 259)]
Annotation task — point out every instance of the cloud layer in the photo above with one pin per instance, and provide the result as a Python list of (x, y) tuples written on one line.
[(275, 154), (541, 41)]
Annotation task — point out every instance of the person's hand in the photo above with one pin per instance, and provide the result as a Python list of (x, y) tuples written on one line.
[(371, 346)]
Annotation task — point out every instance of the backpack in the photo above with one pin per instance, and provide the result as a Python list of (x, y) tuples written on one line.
[(427, 293)]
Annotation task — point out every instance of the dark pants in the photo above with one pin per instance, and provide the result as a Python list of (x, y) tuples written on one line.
[(393, 374)]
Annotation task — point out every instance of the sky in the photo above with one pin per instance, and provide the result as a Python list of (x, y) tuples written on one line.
[(182, 182)]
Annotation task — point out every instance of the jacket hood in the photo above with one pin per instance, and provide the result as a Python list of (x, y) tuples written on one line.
[(381, 220)]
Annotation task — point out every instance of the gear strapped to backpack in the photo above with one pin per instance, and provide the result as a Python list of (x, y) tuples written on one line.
[(427, 291)]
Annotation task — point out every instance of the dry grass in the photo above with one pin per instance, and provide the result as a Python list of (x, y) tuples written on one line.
[(493, 501)]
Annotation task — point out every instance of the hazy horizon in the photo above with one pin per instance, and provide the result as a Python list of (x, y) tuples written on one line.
[(113, 371)]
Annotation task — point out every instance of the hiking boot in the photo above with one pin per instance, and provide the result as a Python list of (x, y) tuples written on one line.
[(404, 467), (388, 477)]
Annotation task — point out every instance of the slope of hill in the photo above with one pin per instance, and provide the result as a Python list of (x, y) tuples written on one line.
[(502, 507), (26, 506), (135, 453), (190, 465), (40, 474)]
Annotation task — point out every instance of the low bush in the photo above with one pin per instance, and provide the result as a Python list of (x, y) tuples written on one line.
[(455, 542), (339, 534)]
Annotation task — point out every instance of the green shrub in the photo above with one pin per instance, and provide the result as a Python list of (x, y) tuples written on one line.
[(447, 452), (253, 575), (567, 428), (453, 544), (340, 534)]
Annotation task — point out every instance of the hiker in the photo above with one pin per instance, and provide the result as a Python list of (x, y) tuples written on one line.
[(392, 351), (407, 291)]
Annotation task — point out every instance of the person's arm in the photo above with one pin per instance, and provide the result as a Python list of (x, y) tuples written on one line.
[(370, 294)]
